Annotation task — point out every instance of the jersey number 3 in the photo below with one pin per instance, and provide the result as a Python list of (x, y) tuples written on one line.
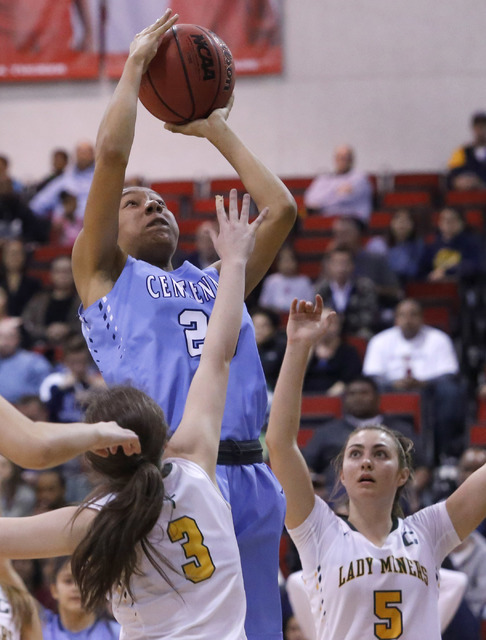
[(386, 610), (185, 531)]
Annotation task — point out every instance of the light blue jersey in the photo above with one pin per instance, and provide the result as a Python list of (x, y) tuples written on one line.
[(149, 332)]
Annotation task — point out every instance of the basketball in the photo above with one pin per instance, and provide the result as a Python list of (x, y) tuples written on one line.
[(191, 74)]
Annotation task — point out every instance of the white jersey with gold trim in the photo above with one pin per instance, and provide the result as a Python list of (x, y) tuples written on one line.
[(195, 532), (8, 629), (360, 591)]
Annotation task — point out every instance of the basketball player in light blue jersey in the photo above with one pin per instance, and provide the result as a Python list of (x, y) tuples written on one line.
[(145, 323)]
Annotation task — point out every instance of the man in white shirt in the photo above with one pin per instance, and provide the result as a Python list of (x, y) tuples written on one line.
[(412, 356)]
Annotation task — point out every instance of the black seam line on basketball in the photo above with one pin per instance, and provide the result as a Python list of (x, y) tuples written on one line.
[(221, 78), (184, 68), (149, 78)]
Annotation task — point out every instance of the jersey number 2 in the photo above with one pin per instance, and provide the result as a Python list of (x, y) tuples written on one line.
[(185, 530), (386, 609), (196, 323)]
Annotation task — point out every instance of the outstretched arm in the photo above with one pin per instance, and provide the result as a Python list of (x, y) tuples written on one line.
[(307, 324), (97, 259), (37, 445), (264, 187), (467, 505), (197, 436)]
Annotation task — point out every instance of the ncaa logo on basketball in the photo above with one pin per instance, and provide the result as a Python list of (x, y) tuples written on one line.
[(204, 53)]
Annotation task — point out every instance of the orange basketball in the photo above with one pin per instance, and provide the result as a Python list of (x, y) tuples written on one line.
[(191, 74)]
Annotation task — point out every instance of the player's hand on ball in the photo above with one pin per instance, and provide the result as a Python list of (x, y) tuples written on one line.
[(205, 126), (145, 44)]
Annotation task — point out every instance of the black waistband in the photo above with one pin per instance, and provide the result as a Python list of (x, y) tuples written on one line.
[(240, 452)]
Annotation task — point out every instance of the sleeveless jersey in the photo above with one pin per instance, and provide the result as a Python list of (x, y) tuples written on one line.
[(361, 591), (149, 330), (8, 629), (195, 533)]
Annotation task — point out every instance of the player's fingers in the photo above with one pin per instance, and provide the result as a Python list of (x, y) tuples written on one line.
[(261, 217), (245, 208), (318, 304), (233, 205), (220, 210), (293, 305), (301, 306)]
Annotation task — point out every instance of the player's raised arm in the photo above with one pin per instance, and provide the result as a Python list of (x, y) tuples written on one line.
[(197, 436), (467, 505), (307, 323), (37, 445), (97, 259), (264, 187)]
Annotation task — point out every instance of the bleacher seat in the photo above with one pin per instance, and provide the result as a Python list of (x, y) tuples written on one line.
[(466, 198), (406, 199)]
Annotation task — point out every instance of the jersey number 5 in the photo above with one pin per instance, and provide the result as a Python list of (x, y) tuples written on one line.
[(386, 609), (185, 531)]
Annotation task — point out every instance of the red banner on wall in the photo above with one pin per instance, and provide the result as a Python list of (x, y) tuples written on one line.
[(48, 40), (68, 39), (252, 29)]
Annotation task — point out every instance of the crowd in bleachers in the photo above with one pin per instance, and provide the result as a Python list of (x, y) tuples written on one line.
[(399, 257)]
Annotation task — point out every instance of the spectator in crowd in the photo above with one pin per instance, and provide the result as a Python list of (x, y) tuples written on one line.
[(361, 407), (51, 315), (31, 406), (66, 392), (333, 363), (14, 279), (347, 233), (470, 555), (17, 499), (281, 287), (353, 298), (21, 371), (76, 180), (3, 304), (467, 165), (412, 356), (59, 163), (402, 246), (345, 192), (16, 219), (73, 621), (6, 180), (50, 490), (205, 253), (31, 573), (270, 342), (455, 254), (65, 225)]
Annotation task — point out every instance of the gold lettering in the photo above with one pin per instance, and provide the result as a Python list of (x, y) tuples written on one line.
[(401, 565), (341, 579), (370, 565)]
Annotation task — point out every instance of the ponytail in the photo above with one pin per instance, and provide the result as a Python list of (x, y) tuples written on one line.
[(109, 555)]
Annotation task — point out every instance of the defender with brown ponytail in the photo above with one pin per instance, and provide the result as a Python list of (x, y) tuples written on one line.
[(157, 536)]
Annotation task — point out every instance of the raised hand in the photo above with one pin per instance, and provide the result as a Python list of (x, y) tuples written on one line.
[(309, 321), (205, 126), (112, 436), (145, 44), (236, 237)]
